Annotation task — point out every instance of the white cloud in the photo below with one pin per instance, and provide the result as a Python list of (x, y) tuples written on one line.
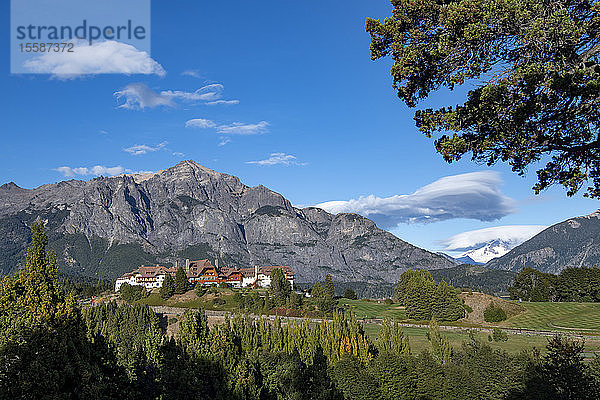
[(194, 73), (238, 128), (178, 154), (223, 140), (200, 123), (140, 149), (138, 96), (95, 171), (224, 102), (474, 195), (278, 159), (513, 235), (109, 57), (206, 93)]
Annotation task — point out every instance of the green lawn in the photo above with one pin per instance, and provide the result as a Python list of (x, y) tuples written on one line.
[(558, 316), (516, 343), (154, 299), (371, 309)]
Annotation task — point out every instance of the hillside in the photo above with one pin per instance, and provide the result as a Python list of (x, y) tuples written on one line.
[(106, 226), (571, 243), (476, 278)]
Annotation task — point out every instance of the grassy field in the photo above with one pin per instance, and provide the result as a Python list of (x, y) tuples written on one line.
[(371, 309), (583, 317), (516, 343), (205, 302)]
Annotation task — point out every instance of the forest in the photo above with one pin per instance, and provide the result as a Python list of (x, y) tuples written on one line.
[(52, 348), (571, 284)]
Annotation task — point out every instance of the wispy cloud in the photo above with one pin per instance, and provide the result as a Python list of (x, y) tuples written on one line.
[(194, 73), (513, 235), (96, 170), (223, 140), (236, 128), (109, 57), (278, 159), (200, 123), (140, 149), (178, 154), (224, 102), (205, 93), (139, 96), (475, 195)]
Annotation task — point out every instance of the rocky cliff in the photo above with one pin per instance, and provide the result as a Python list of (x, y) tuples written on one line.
[(106, 226), (571, 243)]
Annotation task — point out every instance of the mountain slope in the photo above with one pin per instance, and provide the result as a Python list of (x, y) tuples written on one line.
[(571, 243), (107, 226), (492, 249)]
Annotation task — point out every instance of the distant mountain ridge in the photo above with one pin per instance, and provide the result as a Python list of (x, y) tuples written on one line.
[(571, 243), (488, 251), (107, 226)]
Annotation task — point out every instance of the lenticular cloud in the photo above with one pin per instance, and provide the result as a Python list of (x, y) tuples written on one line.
[(474, 195)]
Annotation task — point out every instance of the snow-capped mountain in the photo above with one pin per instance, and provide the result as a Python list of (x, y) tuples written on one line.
[(489, 250)]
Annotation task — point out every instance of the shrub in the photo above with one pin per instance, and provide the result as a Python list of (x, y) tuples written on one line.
[(493, 313), (468, 309), (349, 293), (132, 292), (499, 335), (389, 301), (218, 302), (200, 290)]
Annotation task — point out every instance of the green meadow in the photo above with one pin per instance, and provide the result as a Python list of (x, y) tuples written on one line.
[(372, 309), (584, 317)]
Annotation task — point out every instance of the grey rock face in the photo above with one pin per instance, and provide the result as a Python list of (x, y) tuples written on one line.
[(107, 225), (571, 243)]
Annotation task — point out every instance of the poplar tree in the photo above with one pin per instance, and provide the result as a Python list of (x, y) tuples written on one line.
[(440, 346)]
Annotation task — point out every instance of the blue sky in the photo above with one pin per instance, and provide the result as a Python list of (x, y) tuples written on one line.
[(309, 99)]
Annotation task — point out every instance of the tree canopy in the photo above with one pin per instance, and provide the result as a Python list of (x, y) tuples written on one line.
[(534, 75), (425, 299)]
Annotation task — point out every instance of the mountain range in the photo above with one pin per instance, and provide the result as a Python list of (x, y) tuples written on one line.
[(571, 243), (110, 225)]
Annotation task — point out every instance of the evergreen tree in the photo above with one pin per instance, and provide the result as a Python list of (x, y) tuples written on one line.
[(328, 287), (317, 291), (446, 305), (44, 351), (181, 284), (280, 287), (350, 294), (532, 69), (168, 287)]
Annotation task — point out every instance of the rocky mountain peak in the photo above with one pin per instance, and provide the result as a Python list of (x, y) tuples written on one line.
[(108, 226), (571, 243)]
